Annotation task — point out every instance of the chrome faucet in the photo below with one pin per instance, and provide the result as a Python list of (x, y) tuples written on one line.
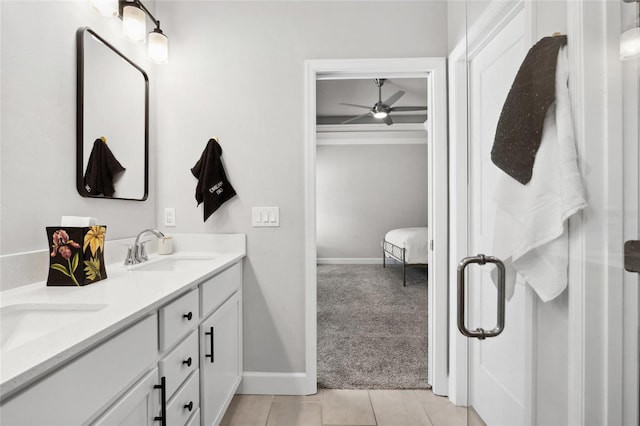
[(137, 253)]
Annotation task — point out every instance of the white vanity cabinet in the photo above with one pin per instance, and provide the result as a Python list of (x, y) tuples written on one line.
[(180, 365), (74, 393), (200, 358)]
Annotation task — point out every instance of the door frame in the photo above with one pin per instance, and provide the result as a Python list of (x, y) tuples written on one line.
[(435, 69), (595, 306)]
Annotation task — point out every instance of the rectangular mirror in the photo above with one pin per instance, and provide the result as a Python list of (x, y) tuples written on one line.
[(112, 122)]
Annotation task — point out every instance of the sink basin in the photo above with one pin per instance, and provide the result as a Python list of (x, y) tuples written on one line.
[(25, 322), (173, 264)]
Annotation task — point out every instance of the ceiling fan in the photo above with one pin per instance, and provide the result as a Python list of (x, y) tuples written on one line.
[(382, 110)]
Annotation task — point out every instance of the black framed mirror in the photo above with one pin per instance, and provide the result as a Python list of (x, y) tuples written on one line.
[(112, 122)]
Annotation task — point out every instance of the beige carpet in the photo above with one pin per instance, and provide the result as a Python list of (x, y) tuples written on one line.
[(372, 332)]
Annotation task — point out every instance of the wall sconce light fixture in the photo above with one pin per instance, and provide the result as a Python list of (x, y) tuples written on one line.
[(630, 39), (134, 25)]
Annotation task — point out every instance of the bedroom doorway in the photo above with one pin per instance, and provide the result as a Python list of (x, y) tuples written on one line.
[(431, 71), (371, 183)]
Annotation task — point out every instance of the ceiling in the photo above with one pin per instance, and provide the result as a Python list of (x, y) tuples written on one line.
[(330, 93)]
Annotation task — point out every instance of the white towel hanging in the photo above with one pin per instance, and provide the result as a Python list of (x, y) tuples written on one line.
[(531, 235)]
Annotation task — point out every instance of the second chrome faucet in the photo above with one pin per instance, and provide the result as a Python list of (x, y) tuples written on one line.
[(137, 253)]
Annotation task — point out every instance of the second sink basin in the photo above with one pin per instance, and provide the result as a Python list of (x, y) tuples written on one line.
[(25, 322), (173, 264)]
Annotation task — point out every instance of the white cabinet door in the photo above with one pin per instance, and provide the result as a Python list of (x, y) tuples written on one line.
[(220, 365), (137, 407)]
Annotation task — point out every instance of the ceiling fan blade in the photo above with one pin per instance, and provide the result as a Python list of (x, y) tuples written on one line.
[(409, 108), (356, 105), (354, 118), (394, 98), (388, 121)]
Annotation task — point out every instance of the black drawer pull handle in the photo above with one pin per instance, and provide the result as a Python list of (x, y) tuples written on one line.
[(163, 409), (211, 333), (189, 406), (187, 361), (188, 316)]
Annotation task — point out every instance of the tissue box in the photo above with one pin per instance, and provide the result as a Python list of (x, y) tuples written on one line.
[(77, 255)]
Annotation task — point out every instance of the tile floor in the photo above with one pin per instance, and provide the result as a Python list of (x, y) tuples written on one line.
[(345, 408)]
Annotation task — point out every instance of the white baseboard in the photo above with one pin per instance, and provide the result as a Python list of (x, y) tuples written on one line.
[(262, 383), (351, 261)]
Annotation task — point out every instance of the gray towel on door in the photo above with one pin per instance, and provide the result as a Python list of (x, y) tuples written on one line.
[(520, 125)]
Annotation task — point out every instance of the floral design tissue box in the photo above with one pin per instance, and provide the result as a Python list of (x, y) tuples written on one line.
[(77, 255)]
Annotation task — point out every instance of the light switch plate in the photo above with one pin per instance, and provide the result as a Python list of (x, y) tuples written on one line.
[(265, 217)]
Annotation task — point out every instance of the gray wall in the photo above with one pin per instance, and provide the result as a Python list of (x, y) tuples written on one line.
[(237, 71), (38, 136), (459, 13), (363, 191)]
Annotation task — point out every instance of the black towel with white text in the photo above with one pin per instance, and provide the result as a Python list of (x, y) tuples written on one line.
[(213, 188)]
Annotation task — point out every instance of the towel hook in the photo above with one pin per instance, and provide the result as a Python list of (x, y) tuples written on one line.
[(556, 34), (103, 139)]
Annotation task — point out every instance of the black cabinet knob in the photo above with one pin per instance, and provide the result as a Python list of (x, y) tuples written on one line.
[(188, 316), (187, 361), (189, 406)]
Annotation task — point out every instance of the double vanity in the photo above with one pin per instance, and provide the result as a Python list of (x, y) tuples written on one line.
[(156, 343)]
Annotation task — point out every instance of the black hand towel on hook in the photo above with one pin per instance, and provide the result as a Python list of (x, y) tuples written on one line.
[(213, 186), (101, 169), (520, 125)]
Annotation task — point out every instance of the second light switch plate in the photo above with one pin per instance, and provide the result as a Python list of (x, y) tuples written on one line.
[(265, 216)]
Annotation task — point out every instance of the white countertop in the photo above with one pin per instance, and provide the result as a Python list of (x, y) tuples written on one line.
[(128, 296)]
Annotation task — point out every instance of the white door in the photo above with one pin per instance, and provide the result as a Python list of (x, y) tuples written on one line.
[(499, 368)]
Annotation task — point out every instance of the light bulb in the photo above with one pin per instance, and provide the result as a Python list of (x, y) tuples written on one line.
[(630, 44), (380, 114), (134, 23), (158, 47), (105, 7)]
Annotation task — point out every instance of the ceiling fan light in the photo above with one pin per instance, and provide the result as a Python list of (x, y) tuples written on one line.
[(380, 115)]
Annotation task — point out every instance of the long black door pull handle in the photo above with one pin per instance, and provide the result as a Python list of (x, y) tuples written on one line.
[(211, 333), (162, 418)]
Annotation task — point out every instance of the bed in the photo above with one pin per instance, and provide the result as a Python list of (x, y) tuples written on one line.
[(408, 246)]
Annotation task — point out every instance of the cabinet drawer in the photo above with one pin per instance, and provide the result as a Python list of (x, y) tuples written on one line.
[(218, 289), (179, 363), (177, 318), (188, 396)]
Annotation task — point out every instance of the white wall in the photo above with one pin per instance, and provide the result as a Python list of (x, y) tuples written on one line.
[(237, 71), (364, 191), (38, 143)]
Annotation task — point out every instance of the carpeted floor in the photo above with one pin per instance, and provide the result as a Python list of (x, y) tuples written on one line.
[(372, 332)]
